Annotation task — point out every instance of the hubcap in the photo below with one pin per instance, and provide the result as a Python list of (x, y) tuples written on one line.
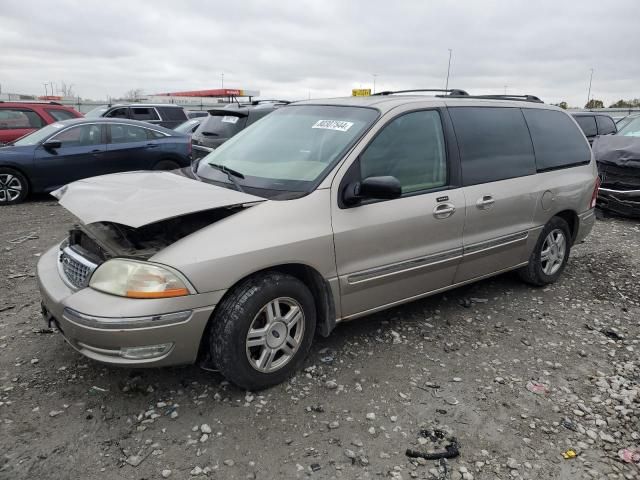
[(553, 251), (10, 187), (275, 334)]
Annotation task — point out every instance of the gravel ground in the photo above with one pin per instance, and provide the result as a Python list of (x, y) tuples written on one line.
[(517, 375)]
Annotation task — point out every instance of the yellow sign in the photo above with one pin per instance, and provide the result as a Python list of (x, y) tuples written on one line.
[(360, 92)]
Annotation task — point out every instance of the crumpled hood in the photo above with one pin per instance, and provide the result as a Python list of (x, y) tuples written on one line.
[(140, 198)]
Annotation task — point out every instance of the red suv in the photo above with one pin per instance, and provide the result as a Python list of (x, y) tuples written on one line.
[(19, 118)]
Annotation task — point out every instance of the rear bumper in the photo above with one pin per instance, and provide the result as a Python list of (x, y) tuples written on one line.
[(108, 329), (586, 221)]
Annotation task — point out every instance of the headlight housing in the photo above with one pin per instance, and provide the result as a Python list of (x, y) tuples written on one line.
[(135, 279)]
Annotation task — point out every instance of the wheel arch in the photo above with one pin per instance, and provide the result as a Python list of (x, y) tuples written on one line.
[(571, 217), (320, 289)]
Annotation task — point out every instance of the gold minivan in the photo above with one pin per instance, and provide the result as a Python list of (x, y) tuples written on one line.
[(321, 212)]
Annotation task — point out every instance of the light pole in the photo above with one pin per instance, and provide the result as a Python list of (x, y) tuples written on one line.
[(374, 82), (589, 93), (46, 92), (446, 86), (222, 79)]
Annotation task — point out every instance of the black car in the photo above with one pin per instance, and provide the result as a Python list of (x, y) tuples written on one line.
[(223, 123), (594, 124), (70, 150), (165, 115)]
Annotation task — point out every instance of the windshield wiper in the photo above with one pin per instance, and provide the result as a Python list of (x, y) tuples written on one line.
[(231, 174)]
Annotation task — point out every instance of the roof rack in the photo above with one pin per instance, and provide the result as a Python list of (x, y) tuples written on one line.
[(258, 102), (44, 102), (522, 98), (455, 91)]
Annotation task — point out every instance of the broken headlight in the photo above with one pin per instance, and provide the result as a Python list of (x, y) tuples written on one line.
[(135, 279)]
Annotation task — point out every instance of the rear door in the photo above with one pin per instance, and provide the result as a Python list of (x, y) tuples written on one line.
[(81, 155), (17, 122), (130, 147), (498, 174), (393, 250)]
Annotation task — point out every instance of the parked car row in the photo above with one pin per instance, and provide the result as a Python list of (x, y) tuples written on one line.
[(65, 151), (321, 212)]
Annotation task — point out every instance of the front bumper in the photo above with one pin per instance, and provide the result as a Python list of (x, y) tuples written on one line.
[(105, 327), (621, 202)]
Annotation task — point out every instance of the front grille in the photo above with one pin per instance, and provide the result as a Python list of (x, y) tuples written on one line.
[(74, 268)]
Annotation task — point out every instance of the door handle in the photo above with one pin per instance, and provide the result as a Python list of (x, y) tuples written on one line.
[(96, 151), (485, 202), (444, 210), (152, 145)]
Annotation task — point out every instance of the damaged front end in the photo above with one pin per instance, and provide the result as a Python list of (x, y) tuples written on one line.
[(101, 241), (618, 160)]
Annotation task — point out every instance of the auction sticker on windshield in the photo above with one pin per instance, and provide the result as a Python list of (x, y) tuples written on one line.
[(230, 119), (338, 125)]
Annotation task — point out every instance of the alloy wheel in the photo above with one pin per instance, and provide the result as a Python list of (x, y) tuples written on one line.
[(10, 187), (553, 252), (275, 334)]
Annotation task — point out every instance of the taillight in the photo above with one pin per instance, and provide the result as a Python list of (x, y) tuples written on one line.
[(594, 196)]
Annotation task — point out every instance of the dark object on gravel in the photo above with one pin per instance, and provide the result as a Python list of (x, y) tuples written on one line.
[(618, 159), (451, 450)]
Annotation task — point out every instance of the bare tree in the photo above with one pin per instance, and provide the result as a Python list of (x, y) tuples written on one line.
[(66, 89), (134, 95)]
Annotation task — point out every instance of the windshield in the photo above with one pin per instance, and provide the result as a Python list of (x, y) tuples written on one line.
[(631, 129), (187, 127), (36, 137), (291, 149), (96, 112)]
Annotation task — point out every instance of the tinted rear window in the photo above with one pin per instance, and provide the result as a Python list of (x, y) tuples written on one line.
[(494, 143), (605, 125), (175, 114), (225, 126), (556, 139), (144, 113), (588, 125)]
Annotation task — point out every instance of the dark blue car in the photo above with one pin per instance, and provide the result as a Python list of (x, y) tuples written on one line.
[(66, 151)]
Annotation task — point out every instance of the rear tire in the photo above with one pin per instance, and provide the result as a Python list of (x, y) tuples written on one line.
[(262, 330), (549, 257), (14, 187), (166, 165)]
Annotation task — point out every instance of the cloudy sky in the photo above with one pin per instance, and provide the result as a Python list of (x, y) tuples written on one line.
[(296, 49)]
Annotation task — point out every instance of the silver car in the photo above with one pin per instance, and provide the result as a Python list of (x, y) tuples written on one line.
[(322, 212)]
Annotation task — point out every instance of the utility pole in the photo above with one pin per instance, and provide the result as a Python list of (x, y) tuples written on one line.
[(46, 92), (374, 82), (589, 93), (222, 77), (51, 84), (446, 86)]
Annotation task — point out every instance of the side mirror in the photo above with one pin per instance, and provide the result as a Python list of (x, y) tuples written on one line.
[(380, 188), (52, 144)]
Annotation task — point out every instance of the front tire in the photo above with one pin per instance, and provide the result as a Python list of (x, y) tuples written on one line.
[(13, 186), (166, 165), (549, 257), (263, 330)]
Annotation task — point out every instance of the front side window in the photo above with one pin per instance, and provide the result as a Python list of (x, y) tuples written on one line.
[(144, 113), (80, 136), (60, 115), (289, 150), (494, 144), (605, 125), (17, 118), (127, 133), (556, 139), (410, 148), (588, 125)]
